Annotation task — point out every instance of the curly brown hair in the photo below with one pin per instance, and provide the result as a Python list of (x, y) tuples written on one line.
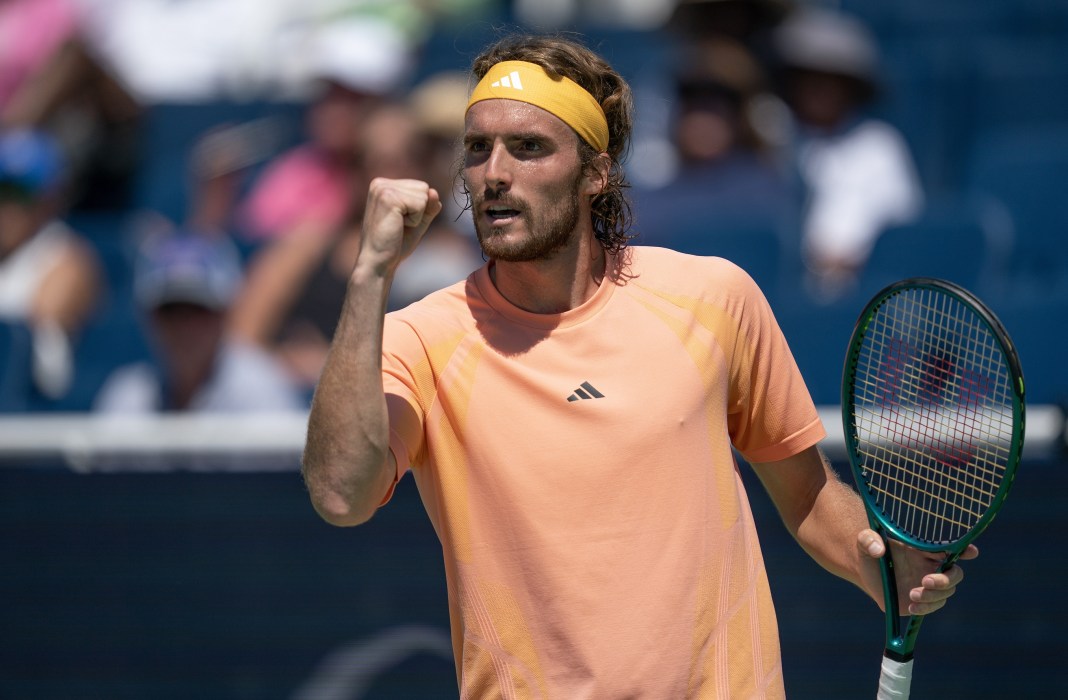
[(560, 55)]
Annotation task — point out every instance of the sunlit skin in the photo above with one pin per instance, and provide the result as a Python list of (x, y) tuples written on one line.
[(499, 169), (531, 204)]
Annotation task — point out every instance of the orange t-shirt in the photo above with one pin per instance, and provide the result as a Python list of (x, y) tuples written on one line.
[(578, 470)]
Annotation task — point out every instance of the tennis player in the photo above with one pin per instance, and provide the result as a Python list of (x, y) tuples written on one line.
[(568, 414)]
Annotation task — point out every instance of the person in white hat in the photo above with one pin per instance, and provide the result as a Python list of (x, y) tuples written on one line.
[(857, 170)]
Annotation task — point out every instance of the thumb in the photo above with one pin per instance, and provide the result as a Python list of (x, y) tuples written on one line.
[(870, 544)]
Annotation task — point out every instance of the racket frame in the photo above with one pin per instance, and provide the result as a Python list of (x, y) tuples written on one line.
[(901, 643)]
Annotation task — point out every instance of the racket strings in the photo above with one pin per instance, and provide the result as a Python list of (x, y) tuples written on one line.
[(933, 413)]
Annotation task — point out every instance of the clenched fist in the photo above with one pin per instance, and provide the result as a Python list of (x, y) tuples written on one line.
[(398, 214)]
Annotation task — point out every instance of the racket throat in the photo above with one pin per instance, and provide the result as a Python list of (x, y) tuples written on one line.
[(898, 656), (901, 631), (900, 644)]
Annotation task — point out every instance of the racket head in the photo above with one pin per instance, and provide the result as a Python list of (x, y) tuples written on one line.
[(933, 410)]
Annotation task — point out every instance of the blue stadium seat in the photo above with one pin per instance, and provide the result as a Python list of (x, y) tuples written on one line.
[(16, 356), (756, 248), (113, 335), (1026, 169), (959, 17), (1035, 325), (927, 88), (1019, 81), (740, 211), (171, 130), (818, 335), (963, 240)]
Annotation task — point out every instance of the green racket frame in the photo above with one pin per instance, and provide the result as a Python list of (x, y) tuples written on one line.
[(900, 645)]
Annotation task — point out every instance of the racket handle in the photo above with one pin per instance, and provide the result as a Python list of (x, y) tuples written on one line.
[(895, 680)]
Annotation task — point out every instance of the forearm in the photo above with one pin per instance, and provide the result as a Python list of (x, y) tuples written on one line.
[(69, 292), (346, 463), (829, 532), (822, 513)]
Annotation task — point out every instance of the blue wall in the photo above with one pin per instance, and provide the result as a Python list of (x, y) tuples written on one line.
[(212, 585)]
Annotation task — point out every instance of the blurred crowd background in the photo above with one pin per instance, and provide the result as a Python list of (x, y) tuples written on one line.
[(181, 183)]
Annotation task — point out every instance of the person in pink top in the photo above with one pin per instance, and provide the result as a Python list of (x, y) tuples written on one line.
[(569, 411), (31, 33), (308, 189)]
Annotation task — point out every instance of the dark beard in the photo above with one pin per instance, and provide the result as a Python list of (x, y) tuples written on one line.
[(547, 235)]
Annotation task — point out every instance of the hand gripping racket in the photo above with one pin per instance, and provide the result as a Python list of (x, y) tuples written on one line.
[(933, 408)]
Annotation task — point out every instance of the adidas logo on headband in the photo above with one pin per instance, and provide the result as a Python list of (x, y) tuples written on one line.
[(509, 81), (557, 95)]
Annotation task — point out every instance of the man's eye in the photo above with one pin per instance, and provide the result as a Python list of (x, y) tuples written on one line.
[(530, 146)]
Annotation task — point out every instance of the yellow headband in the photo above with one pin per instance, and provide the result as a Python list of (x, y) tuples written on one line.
[(562, 97)]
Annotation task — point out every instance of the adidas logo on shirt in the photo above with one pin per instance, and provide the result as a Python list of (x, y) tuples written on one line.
[(509, 81), (585, 391)]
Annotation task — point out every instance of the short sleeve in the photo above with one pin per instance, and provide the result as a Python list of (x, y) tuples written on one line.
[(771, 413)]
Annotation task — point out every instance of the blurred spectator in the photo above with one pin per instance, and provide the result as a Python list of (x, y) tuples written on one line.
[(184, 283), (717, 88), (292, 297), (449, 250), (50, 279), (31, 33), (438, 103), (624, 14), (726, 175), (858, 172), (745, 21), (193, 51), (296, 285), (693, 28), (308, 188), (51, 78)]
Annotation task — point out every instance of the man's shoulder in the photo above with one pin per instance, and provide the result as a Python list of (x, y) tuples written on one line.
[(669, 269)]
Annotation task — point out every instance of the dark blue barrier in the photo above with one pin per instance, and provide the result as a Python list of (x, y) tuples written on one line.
[(186, 585), (221, 585)]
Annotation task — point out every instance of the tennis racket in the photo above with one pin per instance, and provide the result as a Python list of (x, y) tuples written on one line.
[(933, 408)]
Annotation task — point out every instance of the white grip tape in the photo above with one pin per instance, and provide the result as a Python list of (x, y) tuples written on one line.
[(895, 680)]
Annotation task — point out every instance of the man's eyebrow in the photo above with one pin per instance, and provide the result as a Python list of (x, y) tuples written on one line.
[(474, 135), (528, 136)]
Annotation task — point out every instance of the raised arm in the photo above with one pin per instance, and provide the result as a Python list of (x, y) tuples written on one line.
[(827, 518), (347, 465)]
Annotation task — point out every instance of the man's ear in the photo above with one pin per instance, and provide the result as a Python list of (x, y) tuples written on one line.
[(597, 172)]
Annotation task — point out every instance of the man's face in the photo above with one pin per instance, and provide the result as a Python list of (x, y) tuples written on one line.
[(335, 120), (528, 189), (821, 99), (189, 335), (707, 126)]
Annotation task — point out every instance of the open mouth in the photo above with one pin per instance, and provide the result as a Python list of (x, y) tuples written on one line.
[(501, 214)]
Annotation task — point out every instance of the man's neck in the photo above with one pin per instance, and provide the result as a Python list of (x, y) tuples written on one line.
[(552, 286)]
